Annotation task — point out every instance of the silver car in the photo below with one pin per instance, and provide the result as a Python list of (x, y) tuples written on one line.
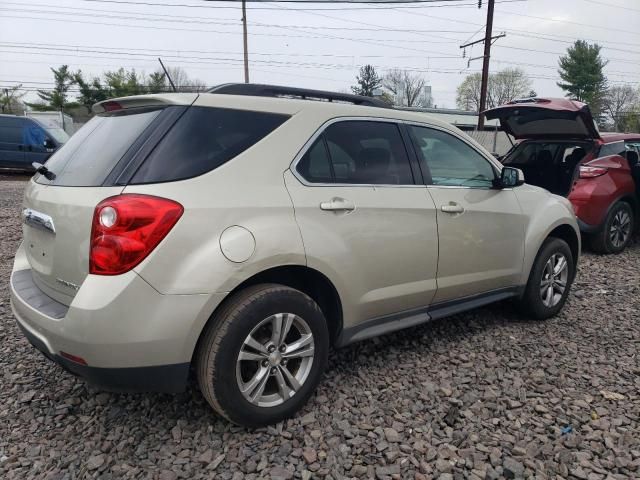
[(242, 233)]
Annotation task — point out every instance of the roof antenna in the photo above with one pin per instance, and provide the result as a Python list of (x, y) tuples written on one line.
[(167, 75)]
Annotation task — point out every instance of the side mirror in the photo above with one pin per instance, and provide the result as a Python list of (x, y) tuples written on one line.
[(510, 177), (49, 145)]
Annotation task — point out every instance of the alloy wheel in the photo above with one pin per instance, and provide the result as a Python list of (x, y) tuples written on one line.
[(620, 228), (275, 360), (554, 280)]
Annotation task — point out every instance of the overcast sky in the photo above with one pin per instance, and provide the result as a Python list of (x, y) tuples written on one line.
[(316, 45)]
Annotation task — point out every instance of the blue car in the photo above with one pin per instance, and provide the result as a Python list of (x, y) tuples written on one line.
[(24, 140)]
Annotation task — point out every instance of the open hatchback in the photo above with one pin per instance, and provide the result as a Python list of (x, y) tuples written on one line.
[(560, 149), (545, 118)]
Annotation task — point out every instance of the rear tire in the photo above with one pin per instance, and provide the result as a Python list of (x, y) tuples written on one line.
[(549, 281), (262, 355), (616, 232)]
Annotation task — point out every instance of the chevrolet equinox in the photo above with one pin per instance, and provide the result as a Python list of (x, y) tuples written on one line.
[(243, 232)]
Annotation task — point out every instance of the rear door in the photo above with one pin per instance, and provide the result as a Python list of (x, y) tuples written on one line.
[(11, 147), (58, 213), (480, 229), (365, 222)]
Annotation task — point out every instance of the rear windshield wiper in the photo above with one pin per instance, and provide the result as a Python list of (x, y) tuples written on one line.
[(40, 168)]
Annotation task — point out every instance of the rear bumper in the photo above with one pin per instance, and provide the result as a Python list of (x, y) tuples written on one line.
[(163, 378), (131, 337)]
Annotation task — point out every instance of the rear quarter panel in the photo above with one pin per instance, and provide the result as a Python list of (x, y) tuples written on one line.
[(248, 191), (592, 197)]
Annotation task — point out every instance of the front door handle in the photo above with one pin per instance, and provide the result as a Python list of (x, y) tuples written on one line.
[(338, 204), (452, 208)]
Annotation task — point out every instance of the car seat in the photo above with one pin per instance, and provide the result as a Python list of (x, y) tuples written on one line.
[(634, 165), (372, 166), (542, 171)]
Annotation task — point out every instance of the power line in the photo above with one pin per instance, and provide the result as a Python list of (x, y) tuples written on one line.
[(612, 5), (113, 53), (365, 6), (320, 36)]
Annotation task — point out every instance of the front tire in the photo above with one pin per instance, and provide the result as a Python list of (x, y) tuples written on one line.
[(549, 281), (616, 232), (262, 355)]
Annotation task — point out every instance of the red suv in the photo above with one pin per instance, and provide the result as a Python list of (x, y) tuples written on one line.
[(560, 148)]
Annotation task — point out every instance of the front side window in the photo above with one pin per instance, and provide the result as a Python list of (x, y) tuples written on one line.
[(358, 152), (450, 161)]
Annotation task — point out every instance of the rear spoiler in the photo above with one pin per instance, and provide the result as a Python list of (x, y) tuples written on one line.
[(154, 100)]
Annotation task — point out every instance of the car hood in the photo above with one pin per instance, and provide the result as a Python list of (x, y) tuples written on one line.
[(545, 118)]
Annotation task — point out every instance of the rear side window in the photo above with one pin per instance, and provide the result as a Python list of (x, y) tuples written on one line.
[(615, 148), (90, 155), (358, 152), (202, 140)]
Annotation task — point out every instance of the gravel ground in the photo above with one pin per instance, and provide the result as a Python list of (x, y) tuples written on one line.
[(485, 394)]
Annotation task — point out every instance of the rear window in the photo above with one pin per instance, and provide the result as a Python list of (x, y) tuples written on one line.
[(90, 155), (202, 140)]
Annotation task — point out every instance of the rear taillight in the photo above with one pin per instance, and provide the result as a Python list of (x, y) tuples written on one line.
[(126, 228), (591, 172)]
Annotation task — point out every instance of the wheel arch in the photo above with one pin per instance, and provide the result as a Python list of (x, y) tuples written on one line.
[(567, 233), (300, 277)]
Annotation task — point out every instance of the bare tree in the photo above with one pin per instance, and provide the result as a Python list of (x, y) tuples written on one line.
[(468, 93), (509, 84), (620, 103), (503, 87), (182, 81), (11, 100), (407, 88)]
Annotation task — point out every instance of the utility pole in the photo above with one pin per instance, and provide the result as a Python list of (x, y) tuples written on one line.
[(485, 64), (244, 39), (488, 41)]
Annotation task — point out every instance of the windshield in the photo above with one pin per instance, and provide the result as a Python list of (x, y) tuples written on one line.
[(58, 134)]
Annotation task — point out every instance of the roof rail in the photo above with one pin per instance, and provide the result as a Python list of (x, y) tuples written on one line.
[(258, 90)]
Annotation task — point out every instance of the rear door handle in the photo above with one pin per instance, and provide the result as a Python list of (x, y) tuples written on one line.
[(338, 204), (452, 208)]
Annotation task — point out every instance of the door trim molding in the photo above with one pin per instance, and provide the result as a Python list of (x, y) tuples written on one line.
[(409, 318)]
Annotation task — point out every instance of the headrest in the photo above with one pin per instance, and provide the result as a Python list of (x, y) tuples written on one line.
[(373, 158)]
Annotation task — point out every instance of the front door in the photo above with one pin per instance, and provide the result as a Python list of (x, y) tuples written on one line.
[(365, 222), (481, 229)]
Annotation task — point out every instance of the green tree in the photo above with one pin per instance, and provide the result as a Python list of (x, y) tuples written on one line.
[(122, 83), (581, 72), (91, 91), (367, 80), (157, 83), (56, 98)]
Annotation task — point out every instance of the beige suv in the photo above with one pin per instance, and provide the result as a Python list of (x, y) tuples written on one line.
[(244, 232)]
